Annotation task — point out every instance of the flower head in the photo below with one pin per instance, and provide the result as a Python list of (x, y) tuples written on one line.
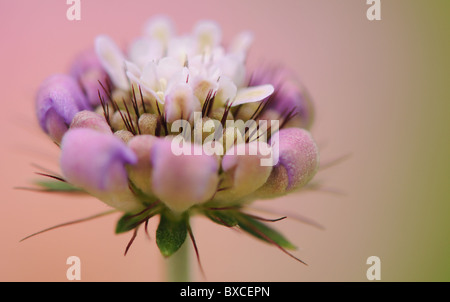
[(174, 126)]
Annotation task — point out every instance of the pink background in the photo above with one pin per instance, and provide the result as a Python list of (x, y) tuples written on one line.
[(379, 90)]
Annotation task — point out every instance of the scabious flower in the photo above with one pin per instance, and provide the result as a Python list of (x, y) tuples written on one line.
[(176, 126)]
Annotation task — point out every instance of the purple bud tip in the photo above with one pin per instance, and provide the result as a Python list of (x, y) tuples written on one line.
[(85, 62), (58, 100)]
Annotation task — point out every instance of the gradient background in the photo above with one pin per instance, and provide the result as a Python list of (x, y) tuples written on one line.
[(381, 91)]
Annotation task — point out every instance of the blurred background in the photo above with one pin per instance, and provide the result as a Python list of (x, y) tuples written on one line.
[(381, 92)]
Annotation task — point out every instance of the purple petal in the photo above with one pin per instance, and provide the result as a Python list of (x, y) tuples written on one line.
[(88, 71), (90, 81), (85, 62), (95, 161), (61, 96), (185, 180), (55, 125)]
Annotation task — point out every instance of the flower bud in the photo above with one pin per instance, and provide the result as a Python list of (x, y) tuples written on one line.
[(184, 180), (141, 173), (124, 135), (148, 123), (58, 100), (243, 172), (120, 121), (95, 162), (91, 120), (297, 164)]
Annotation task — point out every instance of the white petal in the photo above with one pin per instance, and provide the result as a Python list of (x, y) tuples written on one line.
[(218, 53), (214, 73), (180, 103), (227, 91), (252, 94), (208, 35), (144, 50), (134, 80), (181, 49), (133, 69), (148, 90), (112, 60), (233, 67), (167, 67), (241, 43), (150, 76), (181, 76), (202, 86), (147, 82), (196, 66), (137, 84), (159, 28)]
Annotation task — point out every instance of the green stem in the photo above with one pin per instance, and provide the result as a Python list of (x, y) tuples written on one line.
[(178, 265)]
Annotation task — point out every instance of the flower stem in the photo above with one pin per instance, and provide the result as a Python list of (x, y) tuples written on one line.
[(178, 268)]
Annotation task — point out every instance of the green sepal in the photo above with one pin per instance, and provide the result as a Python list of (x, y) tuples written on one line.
[(57, 186), (222, 217), (262, 231), (129, 221), (171, 233)]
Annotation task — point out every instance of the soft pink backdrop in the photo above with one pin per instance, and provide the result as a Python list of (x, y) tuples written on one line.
[(366, 79)]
